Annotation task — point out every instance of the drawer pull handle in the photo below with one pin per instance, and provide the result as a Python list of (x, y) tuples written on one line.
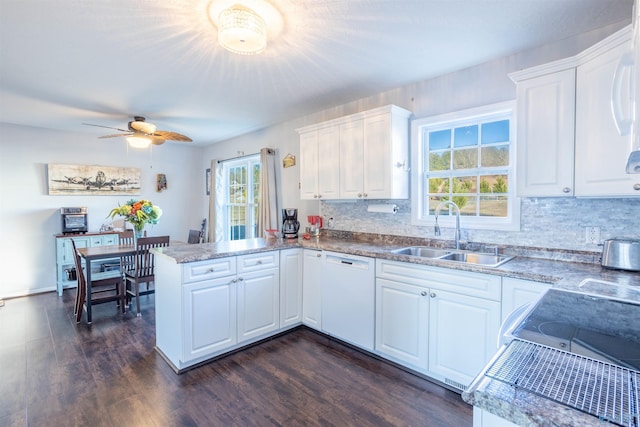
[(566, 190), (432, 295), (212, 270), (636, 187), (423, 293), (259, 262)]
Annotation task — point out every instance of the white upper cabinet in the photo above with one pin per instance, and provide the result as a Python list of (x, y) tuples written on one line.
[(319, 167), (546, 118), (369, 151), (601, 150), (351, 156), (568, 143)]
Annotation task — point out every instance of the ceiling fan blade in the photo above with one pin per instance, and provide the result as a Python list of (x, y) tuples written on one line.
[(115, 135), (157, 141), (108, 127), (171, 136)]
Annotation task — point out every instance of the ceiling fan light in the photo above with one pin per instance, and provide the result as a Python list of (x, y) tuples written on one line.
[(242, 31), (139, 141)]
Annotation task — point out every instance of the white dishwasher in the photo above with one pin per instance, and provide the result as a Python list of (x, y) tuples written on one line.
[(348, 298)]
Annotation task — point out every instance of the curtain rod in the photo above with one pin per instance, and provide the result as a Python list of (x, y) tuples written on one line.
[(270, 151)]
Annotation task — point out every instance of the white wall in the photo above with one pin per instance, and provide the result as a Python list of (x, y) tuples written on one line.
[(29, 217)]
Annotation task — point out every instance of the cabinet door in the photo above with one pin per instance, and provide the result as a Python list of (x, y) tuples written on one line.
[(312, 289), (309, 165), (329, 163), (258, 302), (377, 157), (290, 287), (601, 152), (545, 134), (402, 316), (68, 257), (209, 309), (351, 160), (462, 336)]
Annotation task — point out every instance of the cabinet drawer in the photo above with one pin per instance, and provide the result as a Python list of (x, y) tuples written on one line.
[(259, 261), (110, 239), (95, 240), (462, 282), (209, 269)]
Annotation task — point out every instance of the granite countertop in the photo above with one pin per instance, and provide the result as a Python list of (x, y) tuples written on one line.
[(561, 268), (566, 273)]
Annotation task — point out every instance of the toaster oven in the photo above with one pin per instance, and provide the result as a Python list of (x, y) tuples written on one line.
[(74, 220)]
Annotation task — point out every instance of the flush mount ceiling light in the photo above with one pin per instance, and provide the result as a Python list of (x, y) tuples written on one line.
[(139, 141), (244, 28), (241, 30)]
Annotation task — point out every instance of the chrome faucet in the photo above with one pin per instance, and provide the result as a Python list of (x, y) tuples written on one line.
[(457, 210)]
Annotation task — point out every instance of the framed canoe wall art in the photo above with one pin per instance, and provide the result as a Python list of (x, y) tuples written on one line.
[(92, 180)]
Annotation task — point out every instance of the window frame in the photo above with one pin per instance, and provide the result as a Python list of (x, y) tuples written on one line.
[(250, 218), (418, 177)]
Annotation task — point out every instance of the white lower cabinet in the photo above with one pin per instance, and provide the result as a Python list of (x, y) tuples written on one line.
[(209, 317), (258, 303), (438, 321), (518, 292), (312, 288), (207, 308), (483, 418), (290, 287), (462, 336), (402, 316)]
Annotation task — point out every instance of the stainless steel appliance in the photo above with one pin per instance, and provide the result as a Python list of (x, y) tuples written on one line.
[(290, 223), (621, 253), (74, 220)]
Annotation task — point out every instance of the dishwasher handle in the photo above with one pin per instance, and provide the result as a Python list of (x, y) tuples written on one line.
[(347, 262)]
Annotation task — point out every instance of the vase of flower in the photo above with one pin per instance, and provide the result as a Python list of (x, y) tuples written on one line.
[(139, 213), (138, 230)]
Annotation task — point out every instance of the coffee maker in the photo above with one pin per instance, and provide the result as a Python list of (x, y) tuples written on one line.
[(290, 223)]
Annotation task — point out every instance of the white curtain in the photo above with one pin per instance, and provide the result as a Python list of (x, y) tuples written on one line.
[(269, 209), (216, 229)]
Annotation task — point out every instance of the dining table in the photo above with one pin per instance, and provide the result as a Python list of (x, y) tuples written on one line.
[(98, 253)]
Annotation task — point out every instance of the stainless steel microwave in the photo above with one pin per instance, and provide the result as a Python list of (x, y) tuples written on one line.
[(74, 220)]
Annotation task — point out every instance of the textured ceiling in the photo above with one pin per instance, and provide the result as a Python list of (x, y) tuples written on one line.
[(66, 62)]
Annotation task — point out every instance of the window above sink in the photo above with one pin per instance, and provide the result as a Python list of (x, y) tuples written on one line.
[(466, 157)]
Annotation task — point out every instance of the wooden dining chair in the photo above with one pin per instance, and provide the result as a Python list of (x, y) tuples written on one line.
[(194, 236), (126, 237), (103, 290), (143, 268)]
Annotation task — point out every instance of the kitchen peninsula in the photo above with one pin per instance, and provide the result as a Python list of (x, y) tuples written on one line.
[(214, 298)]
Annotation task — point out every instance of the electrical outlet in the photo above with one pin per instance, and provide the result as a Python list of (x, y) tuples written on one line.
[(592, 235)]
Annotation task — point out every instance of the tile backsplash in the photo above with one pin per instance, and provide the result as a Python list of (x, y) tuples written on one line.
[(545, 222)]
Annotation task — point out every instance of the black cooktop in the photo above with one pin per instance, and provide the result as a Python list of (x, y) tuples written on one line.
[(592, 326)]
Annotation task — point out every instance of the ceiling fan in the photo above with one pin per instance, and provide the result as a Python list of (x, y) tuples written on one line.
[(143, 132)]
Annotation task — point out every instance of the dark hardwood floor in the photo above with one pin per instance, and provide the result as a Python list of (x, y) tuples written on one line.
[(55, 372)]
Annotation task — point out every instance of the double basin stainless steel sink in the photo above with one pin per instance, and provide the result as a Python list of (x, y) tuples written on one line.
[(469, 257)]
